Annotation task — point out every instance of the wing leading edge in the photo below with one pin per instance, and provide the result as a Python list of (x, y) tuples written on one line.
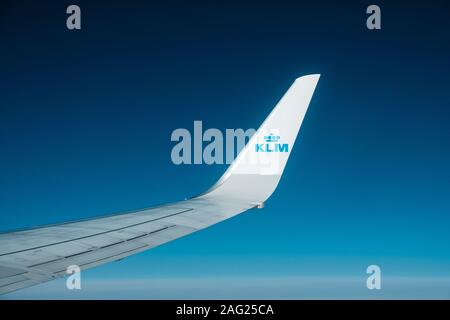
[(37, 255)]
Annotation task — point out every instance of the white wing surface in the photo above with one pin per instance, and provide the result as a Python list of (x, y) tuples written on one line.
[(37, 255)]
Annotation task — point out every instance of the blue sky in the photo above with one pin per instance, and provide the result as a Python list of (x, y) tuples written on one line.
[(86, 118)]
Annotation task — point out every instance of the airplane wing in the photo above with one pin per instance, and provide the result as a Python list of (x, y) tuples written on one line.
[(41, 254)]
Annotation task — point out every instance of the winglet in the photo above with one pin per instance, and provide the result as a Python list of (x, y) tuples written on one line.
[(256, 171)]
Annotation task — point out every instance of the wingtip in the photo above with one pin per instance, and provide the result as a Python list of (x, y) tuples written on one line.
[(314, 75)]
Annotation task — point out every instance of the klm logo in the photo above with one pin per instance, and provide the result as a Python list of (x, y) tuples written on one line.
[(272, 145)]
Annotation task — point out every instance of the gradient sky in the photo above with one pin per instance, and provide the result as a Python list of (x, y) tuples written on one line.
[(86, 118)]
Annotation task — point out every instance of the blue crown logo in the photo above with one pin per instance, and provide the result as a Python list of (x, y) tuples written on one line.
[(271, 145), (271, 138)]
